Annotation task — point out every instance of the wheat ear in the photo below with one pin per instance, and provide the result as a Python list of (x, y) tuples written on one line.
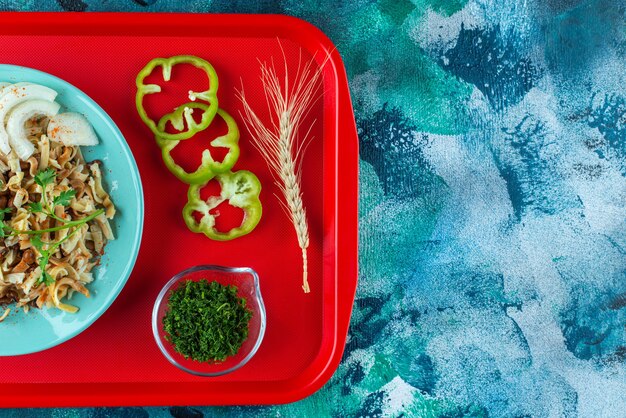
[(280, 142)]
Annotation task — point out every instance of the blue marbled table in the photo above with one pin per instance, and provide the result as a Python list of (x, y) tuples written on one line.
[(493, 206)]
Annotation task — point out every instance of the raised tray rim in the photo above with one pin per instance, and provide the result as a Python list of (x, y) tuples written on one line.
[(346, 211)]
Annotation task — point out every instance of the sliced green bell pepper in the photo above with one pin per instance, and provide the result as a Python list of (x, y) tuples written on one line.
[(209, 167), (209, 96), (241, 189)]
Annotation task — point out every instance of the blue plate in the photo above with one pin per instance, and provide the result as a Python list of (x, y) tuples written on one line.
[(39, 330)]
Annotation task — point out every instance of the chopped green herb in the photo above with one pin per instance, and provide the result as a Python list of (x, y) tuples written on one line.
[(3, 226), (35, 207), (46, 278), (37, 242), (64, 198), (206, 321), (45, 177)]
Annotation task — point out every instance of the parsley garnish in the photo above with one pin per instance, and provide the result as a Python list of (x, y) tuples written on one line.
[(4, 228), (64, 198), (44, 179), (206, 321), (35, 207), (43, 259)]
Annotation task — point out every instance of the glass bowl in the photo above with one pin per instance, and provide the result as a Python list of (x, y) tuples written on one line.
[(247, 282)]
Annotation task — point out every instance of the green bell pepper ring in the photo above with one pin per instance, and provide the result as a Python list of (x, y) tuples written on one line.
[(209, 96), (241, 189), (209, 166)]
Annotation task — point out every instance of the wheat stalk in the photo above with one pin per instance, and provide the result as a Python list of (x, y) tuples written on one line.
[(280, 142)]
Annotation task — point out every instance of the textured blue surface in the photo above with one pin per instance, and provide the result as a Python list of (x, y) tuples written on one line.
[(492, 218)]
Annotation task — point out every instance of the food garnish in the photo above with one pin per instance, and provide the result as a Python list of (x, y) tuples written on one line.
[(206, 321), (241, 189), (282, 141), (44, 179)]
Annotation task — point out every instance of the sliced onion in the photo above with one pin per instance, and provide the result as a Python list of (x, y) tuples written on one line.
[(14, 95), (71, 129), (18, 117), (5, 89)]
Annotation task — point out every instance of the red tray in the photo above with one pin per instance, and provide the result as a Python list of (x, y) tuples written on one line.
[(116, 361)]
